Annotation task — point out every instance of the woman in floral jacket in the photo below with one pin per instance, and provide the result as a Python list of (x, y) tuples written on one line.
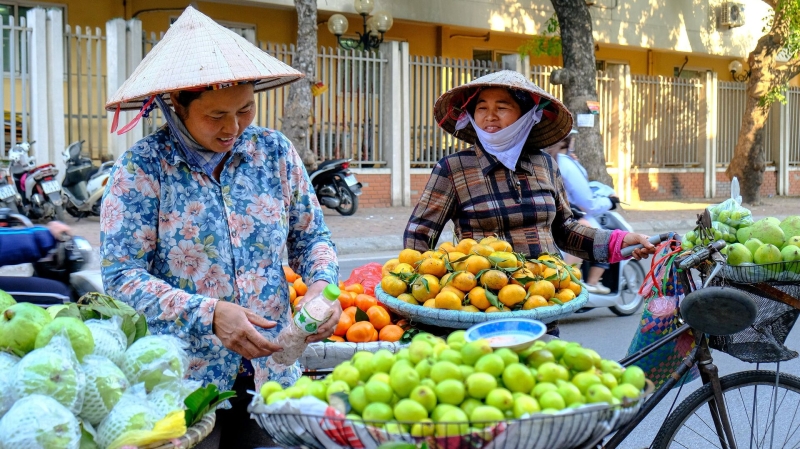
[(198, 215)]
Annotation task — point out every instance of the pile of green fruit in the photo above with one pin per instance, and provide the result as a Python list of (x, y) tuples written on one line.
[(54, 364), (447, 388), (766, 241)]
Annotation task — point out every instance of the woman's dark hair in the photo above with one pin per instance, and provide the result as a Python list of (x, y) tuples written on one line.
[(521, 97), (186, 97)]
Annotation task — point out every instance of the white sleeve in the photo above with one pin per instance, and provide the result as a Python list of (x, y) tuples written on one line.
[(578, 190)]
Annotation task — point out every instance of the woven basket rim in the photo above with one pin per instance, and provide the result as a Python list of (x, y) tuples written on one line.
[(193, 436)]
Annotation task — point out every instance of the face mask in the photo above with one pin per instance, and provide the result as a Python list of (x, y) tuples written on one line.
[(506, 144)]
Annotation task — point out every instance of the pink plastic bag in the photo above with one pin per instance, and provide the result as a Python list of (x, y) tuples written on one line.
[(368, 275)]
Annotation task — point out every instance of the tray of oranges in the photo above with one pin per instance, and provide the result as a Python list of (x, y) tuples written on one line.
[(458, 285), (364, 325)]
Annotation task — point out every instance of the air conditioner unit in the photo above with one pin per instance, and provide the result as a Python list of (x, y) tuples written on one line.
[(732, 14)]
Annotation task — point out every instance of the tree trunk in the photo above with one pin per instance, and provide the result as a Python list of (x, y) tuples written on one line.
[(297, 106), (578, 78)]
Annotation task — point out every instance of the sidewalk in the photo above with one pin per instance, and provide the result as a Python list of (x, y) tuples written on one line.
[(381, 229)]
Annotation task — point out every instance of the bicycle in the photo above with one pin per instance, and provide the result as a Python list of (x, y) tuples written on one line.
[(749, 320)]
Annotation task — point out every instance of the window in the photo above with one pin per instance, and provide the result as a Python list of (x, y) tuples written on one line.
[(689, 74), (16, 9)]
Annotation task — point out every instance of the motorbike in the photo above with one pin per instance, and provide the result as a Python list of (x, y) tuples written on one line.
[(623, 278), (9, 197), (65, 263), (83, 183), (336, 186), (38, 186)]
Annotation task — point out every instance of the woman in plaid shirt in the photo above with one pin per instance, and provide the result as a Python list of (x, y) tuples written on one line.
[(504, 184)]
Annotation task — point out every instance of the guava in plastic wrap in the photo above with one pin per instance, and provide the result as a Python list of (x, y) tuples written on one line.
[(7, 363), (155, 359), (52, 371), (39, 422), (109, 339), (132, 412), (169, 396), (105, 384)]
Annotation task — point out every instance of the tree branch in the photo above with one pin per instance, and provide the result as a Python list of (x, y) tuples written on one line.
[(771, 3)]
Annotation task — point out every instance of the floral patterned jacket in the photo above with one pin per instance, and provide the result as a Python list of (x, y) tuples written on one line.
[(176, 241)]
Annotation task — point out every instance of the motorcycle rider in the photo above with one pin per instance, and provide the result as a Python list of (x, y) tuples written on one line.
[(576, 183), (28, 245)]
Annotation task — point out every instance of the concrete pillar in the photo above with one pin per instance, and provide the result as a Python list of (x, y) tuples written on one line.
[(396, 122), (518, 63), (620, 128), (707, 142), (40, 104), (55, 88), (123, 54), (133, 50)]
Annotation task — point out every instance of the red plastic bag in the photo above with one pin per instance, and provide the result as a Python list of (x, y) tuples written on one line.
[(368, 275)]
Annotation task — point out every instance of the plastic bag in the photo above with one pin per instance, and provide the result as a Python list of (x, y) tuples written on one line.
[(7, 363), (155, 359), (132, 413), (730, 211), (169, 396), (105, 384), (109, 339), (34, 374), (368, 275), (724, 232), (39, 422)]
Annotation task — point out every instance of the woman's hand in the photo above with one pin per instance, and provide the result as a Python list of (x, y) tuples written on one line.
[(635, 239), (235, 325), (326, 330)]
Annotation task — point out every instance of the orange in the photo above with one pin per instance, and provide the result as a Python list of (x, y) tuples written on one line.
[(409, 298), (533, 302), (391, 332), (477, 297), (447, 300), (544, 289), (379, 317), (403, 268), (548, 257), (445, 280), (425, 287), (494, 279), (488, 240), (456, 261), (520, 274), (297, 301), (430, 303), (465, 245), (347, 299), (336, 338), (300, 287), (351, 311), (345, 321), (534, 267), (481, 250), (289, 274), (356, 287), (565, 295), (447, 247), (475, 264), (575, 287), (512, 294), (492, 309), (393, 285), (374, 335), (503, 259), (458, 292), (432, 265), (464, 281), (575, 271), (558, 277), (409, 256), (292, 294), (360, 332), (501, 245), (470, 308), (389, 266), (364, 302), (402, 323)]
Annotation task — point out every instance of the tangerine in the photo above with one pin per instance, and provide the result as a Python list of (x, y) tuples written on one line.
[(456, 261), (379, 317), (360, 332), (425, 287), (347, 299), (503, 259), (521, 274), (300, 287), (557, 276), (543, 288), (409, 256), (465, 245), (409, 298), (482, 250), (403, 268), (289, 274), (464, 281), (345, 321), (402, 323), (477, 297), (492, 309), (391, 332), (364, 302), (336, 338), (447, 300), (494, 279), (445, 279), (292, 294), (447, 247), (475, 264), (431, 303), (565, 295), (374, 335), (512, 294), (432, 265), (351, 311), (575, 287), (393, 285), (576, 271), (534, 267), (501, 245), (469, 308), (458, 292), (533, 302), (389, 266), (488, 240), (355, 287)]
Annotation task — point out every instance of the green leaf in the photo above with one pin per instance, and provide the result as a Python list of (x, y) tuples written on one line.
[(557, 301), (141, 327), (202, 400), (493, 299), (209, 240), (182, 283), (408, 335), (361, 315)]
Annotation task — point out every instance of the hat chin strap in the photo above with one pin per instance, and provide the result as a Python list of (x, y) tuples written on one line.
[(143, 112)]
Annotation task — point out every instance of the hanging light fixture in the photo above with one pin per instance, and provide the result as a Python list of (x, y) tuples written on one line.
[(374, 27)]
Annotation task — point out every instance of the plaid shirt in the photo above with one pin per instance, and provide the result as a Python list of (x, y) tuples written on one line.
[(527, 208)]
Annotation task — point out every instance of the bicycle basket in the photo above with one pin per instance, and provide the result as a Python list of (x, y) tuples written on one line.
[(763, 341)]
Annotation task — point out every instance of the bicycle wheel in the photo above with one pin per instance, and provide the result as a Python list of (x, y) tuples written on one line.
[(761, 415)]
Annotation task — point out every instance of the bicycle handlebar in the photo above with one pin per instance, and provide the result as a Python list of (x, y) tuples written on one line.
[(655, 240), (700, 254)]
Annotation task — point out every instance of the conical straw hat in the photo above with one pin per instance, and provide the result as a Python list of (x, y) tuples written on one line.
[(197, 52), (556, 120)]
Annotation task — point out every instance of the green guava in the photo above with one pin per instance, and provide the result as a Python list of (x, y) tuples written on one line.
[(105, 384), (6, 301), (19, 326), (47, 371), (153, 360), (80, 337), (39, 422)]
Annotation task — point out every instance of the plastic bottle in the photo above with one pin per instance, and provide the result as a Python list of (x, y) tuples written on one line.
[(305, 322)]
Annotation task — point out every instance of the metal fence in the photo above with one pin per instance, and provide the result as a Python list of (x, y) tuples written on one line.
[(429, 78), (793, 111), (85, 89), (15, 95), (731, 101), (155, 119), (665, 121)]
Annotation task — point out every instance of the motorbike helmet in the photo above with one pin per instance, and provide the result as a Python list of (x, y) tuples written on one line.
[(19, 160), (68, 256)]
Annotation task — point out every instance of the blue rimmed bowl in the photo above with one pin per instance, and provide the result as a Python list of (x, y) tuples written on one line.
[(513, 333)]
